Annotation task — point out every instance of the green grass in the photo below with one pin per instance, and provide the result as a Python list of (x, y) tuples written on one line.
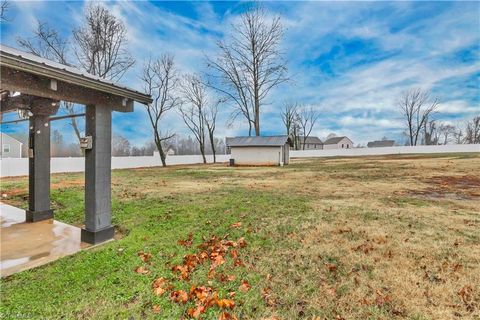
[(101, 282)]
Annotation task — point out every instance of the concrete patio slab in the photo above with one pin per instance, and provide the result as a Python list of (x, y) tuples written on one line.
[(28, 245)]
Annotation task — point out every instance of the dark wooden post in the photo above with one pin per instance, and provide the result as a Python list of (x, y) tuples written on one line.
[(39, 161), (98, 206)]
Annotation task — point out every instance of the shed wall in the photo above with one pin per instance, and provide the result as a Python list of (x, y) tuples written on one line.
[(257, 155)]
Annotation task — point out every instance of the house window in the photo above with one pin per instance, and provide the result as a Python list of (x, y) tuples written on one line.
[(342, 145), (6, 148), (347, 146)]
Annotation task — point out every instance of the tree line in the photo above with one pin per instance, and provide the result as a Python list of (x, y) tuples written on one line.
[(418, 111)]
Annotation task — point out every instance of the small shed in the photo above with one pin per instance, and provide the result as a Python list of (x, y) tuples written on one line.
[(338, 143), (381, 143), (272, 150), (10, 147)]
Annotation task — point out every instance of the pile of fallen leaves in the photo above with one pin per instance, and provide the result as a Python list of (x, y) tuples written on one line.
[(213, 251)]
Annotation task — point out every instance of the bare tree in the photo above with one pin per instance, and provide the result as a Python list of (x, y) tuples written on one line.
[(4, 6), (416, 108), (307, 117), (446, 131), (49, 44), (250, 64), (120, 146), (289, 117), (100, 47), (211, 123), (160, 79), (100, 44), (431, 135), (193, 109), (472, 130)]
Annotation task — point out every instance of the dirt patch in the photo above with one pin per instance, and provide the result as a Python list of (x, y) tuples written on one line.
[(451, 187)]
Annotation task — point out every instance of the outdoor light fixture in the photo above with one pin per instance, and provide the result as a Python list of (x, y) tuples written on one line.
[(86, 143)]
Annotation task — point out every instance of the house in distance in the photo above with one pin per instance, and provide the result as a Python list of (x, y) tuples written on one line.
[(10, 147), (267, 151), (338, 143), (310, 143)]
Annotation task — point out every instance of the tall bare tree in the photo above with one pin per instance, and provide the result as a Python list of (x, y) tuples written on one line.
[(416, 107), (160, 78), (472, 130), (193, 108), (307, 117), (101, 44), (250, 64), (48, 43)]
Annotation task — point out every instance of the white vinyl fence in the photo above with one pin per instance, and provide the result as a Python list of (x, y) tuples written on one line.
[(19, 167), (385, 151)]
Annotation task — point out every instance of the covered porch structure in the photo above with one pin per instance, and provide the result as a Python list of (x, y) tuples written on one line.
[(37, 86)]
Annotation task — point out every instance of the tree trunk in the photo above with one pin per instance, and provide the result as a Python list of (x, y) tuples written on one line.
[(212, 142), (158, 143), (202, 151)]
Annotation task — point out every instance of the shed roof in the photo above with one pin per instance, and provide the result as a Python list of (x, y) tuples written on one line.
[(271, 141), (311, 140), (20, 60), (381, 143)]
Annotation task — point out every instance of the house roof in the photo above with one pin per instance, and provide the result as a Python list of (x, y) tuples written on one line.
[(311, 140), (19, 60), (254, 141), (335, 140), (381, 143), (4, 134)]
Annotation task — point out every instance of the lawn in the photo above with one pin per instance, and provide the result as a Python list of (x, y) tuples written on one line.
[(392, 237)]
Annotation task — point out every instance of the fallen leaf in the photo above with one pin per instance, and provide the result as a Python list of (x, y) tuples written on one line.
[(331, 267), (242, 243), (196, 312), (156, 308), (225, 303), (145, 256), (142, 270), (226, 316), (179, 296), (187, 242), (236, 225), (244, 286)]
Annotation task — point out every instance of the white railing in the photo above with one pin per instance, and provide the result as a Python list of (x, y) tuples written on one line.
[(449, 148)]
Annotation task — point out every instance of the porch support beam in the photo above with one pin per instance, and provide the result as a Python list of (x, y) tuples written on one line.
[(98, 207), (39, 161)]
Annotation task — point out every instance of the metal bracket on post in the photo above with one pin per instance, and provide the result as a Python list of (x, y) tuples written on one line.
[(86, 143)]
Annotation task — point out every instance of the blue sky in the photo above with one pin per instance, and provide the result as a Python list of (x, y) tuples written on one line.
[(349, 60)]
